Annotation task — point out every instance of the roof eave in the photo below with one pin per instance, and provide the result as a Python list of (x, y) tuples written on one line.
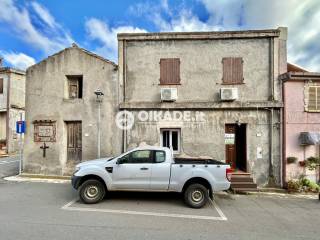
[(200, 35)]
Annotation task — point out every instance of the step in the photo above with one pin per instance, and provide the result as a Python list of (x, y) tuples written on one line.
[(235, 185), (242, 179), (244, 190), (240, 174)]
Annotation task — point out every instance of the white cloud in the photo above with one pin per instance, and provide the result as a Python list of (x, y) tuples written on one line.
[(301, 18), (18, 60), (44, 14), (184, 22), (100, 31), (50, 38)]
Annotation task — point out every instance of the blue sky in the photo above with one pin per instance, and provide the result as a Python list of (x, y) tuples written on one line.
[(30, 30)]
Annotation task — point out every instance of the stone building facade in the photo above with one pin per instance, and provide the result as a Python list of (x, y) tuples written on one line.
[(62, 111), (12, 107), (230, 79)]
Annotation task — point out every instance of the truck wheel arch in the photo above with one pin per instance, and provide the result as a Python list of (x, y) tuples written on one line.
[(198, 180), (91, 176)]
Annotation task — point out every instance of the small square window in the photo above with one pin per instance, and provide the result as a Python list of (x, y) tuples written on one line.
[(75, 84), (171, 138), (314, 99)]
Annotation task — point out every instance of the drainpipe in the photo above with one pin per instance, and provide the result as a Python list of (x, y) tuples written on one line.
[(8, 114), (124, 132), (271, 145)]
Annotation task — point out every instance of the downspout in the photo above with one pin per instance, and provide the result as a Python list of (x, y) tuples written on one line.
[(271, 147), (283, 142), (124, 131), (271, 175), (8, 114)]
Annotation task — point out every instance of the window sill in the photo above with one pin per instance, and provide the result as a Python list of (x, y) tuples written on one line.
[(312, 111), (72, 100), (168, 84), (233, 83)]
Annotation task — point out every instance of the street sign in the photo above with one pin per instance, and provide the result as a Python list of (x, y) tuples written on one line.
[(21, 127)]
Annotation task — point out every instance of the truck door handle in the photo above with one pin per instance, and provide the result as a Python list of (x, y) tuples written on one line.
[(144, 168)]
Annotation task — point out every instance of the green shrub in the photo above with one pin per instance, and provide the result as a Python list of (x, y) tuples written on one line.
[(291, 160), (309, 185), (312, 163)]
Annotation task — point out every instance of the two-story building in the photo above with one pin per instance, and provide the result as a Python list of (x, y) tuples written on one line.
[(12, 107), (301, 121), (215, 94), (68, 119)]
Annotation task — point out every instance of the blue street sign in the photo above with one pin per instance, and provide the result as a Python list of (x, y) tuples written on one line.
[(21, 127)]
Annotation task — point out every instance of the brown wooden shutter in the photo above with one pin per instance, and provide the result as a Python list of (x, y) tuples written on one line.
[(1, 85), (169, 71), (314, 98), (232, 70)]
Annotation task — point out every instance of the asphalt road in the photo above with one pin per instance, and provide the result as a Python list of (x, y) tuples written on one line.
[(9, 166), (34, 211)]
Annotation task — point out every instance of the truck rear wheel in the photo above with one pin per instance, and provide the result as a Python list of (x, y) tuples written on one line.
[(92, 191), (196, 195)]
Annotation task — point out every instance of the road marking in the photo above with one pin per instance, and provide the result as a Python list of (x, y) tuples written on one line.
[(221, 217), (6, 162)]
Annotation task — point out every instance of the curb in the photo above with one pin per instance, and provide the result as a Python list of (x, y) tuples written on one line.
[(36, 178), (285, 195)]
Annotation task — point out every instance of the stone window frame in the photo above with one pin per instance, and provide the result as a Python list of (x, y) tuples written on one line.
[(170, 137), (306, 96)]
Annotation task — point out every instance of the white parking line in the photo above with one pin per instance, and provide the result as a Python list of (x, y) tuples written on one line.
[(221, 217)]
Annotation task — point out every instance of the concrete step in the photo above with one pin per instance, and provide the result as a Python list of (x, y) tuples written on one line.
[(241, 179), (236, 185), (241, 174), (245, 190)]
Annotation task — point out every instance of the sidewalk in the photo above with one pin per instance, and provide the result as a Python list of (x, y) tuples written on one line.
[(38, 178)]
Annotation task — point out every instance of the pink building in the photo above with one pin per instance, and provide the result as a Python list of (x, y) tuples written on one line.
[(301, 120)]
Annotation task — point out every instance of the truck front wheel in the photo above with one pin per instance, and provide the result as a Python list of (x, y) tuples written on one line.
[(196, 195), (92, 191)]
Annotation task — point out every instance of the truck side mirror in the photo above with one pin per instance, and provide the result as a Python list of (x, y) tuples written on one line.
[(120, 161)]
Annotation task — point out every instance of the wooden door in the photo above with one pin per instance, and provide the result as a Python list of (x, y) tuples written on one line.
[(230, 130), (74, 142)]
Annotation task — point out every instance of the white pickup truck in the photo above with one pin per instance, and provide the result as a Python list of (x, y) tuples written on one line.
[(151, 169)]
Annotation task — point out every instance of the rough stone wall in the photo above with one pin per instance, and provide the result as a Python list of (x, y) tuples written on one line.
[(201, 80), (206, 138), (45, 101), (200, 68)]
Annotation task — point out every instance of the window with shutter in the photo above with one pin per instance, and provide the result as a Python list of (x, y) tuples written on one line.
[(169, 71), (232, 70), (314, 99), (1, 85)]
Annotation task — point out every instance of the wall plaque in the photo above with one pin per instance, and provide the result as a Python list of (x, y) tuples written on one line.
[(44, 131)]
